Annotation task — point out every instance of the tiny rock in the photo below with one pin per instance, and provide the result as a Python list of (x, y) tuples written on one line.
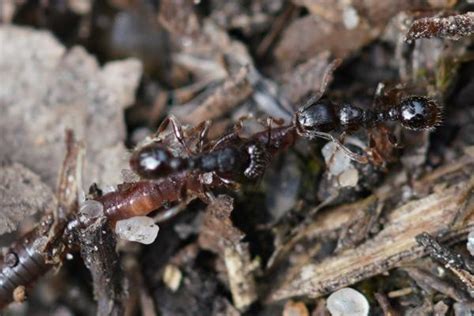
[(470, 243), (347, 301), (90, 209), (172, 277), (140, 229)]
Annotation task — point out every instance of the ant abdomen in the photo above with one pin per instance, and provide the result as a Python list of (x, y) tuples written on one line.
[(418, 113), (155, 160)]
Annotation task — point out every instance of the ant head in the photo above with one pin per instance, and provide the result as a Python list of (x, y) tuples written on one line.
[(153, 161), (419, 113), (318, 116)]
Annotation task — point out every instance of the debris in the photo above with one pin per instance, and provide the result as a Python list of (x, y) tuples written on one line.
[(446, 257), (231, 93), (312, 222), (351, 265), (453, 27), (293, 308), (219, 235), (19, 294), (80, 7), (100, 257)]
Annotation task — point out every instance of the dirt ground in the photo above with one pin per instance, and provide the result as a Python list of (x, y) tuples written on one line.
[(377, 205)]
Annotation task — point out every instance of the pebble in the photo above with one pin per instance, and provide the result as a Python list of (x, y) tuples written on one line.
[(339, 165), (140, 229), (90, 209), (470, 243), (463, 309), (347, 301)]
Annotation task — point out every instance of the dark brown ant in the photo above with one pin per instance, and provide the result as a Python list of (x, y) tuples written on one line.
[(231, 158)]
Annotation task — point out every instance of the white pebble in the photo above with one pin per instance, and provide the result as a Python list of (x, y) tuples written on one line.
[(339, 165), (140, 229), (462, 309), (350, 18), (337, 161), (470, 243), (172, 277), (348, 178), (90, 209), (347, 302)]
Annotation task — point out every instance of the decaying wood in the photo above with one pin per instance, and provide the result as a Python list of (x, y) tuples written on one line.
[(453, 27), (98, 251), (385, 304), (239, 270), (447, 258), (219, 235), (395, 244)]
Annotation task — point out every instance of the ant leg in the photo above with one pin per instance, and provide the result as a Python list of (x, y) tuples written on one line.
[(234, 134), (373, 152), (328, 74), (268, 124), (161, 128), (169, 213), (390, 136), (356, 157), (226, 181), (342, 137), (203, 129), (240, 122), (177, 131)]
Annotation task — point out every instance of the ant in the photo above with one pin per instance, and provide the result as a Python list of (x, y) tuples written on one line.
[(319, 117), (235, 159), (231, 158)]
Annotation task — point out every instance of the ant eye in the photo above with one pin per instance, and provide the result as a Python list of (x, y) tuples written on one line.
[(419, 113)]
